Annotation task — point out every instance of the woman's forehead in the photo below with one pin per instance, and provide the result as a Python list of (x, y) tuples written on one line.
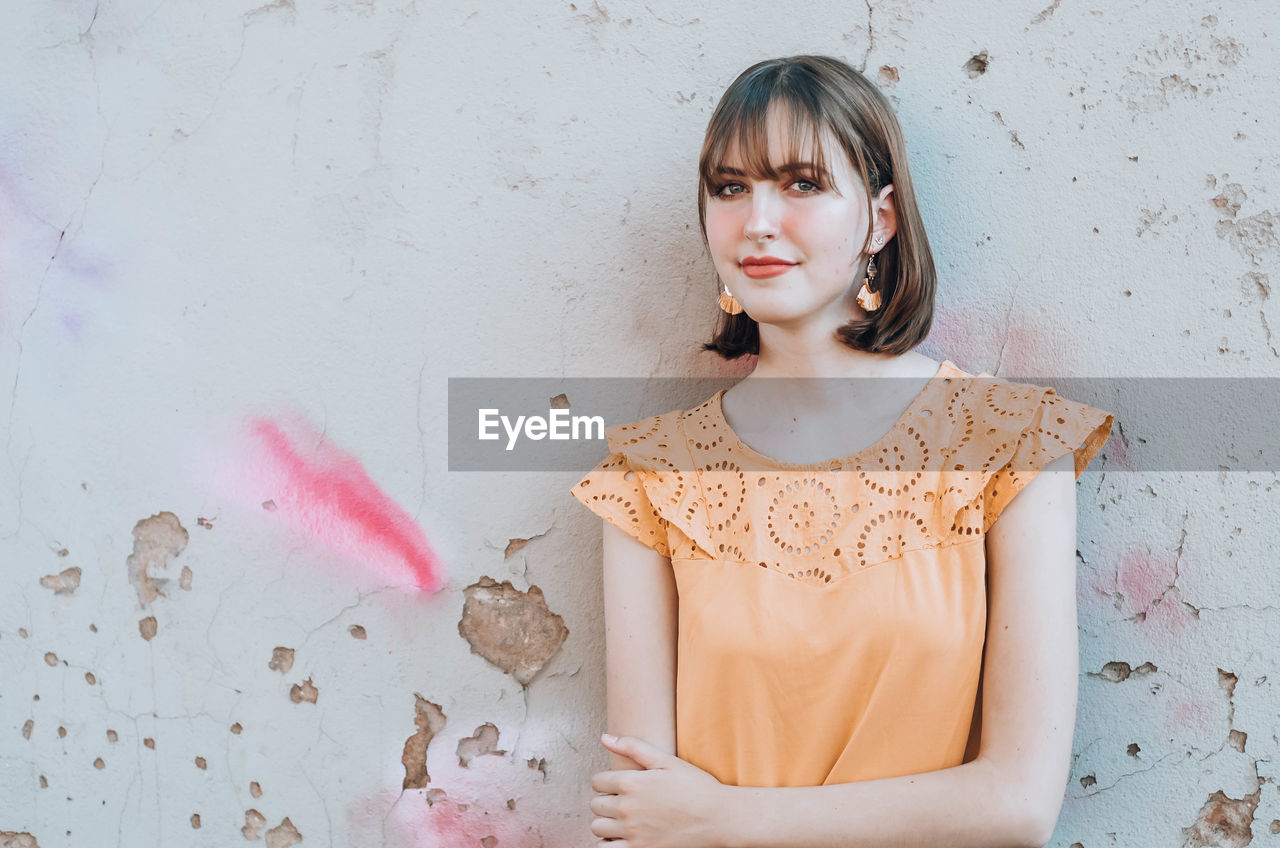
[(782, 148)]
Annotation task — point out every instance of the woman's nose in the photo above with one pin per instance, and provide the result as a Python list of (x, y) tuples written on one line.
[(765, 210)]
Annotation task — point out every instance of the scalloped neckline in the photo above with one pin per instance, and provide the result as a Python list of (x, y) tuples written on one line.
[(945, 370)]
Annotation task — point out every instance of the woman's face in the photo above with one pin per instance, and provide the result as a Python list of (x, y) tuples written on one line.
[(798, 219)]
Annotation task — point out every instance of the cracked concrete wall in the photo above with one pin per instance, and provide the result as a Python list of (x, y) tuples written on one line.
[(243, 247)]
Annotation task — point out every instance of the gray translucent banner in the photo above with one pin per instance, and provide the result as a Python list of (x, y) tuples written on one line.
[(1161, 423)]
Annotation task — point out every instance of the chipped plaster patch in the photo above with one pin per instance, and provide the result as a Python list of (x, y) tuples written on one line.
[(304, 692), (429, 720), (1223, 822), (253, 822), (283, 835), (977, 65), (281, 660), (64, 582), (514, 630), (485, 741), (156, 541)]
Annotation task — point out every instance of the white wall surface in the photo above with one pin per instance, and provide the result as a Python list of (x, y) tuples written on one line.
[(311, 215)]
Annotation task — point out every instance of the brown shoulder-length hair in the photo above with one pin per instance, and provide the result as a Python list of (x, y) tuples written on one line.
[(823, 92)]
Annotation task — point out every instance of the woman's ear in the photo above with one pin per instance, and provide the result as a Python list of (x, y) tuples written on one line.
[(886, 216)]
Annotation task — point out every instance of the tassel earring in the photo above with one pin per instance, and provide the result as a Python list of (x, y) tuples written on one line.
[(868, 297), (729, 303)]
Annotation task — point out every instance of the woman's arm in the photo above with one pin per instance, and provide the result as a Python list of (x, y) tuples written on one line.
[(640, 643), (1012, 793)]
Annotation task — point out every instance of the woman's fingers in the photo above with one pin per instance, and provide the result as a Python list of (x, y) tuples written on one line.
[(608, 829), (605, 806)]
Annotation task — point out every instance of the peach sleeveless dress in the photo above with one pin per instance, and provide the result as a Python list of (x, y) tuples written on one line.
[(832, 615)]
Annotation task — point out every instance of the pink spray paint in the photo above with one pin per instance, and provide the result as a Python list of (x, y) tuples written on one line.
[(324, 494)]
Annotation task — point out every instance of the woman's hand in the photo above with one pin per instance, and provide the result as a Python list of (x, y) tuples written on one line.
[(670, 804)]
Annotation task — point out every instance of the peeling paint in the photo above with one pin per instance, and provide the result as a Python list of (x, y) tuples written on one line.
[(156, 541), (281, 660), (514, 630), (26, 728), (977, 65), (1117, 671), (51, 659), (253, 822), (201, 763), (430, 720), (89, 678), (1046, 13), (10, 839), (539, 763), (147, 627), (1253, 235), (195, 821), (484, 741), (112, 736), (1223, 822), (237, 728), (99, 764), (305, 692), (283, 835), (64, 582), (357, 632), (150, 743)]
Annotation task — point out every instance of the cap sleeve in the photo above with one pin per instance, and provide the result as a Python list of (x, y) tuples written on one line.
[(1053, 427), (614, 491)]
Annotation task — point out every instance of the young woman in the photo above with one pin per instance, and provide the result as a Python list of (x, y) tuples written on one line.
[(873, 649)]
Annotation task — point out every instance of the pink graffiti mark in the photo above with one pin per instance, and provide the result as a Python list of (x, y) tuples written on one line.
[(1148, 585), (325, 494), (393, 817)]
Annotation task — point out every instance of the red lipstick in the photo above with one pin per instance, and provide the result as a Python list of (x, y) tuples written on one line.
[(758, 267)]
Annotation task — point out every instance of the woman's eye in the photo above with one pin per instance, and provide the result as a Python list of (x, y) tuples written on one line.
[(726, 190)]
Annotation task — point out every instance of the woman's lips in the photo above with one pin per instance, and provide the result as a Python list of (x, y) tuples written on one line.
[(757, 271)]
